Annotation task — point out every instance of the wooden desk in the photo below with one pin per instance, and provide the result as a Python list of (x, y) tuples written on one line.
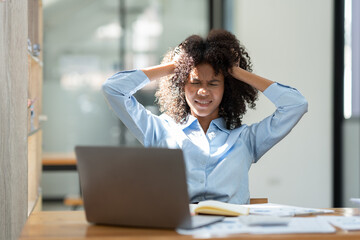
[(73, 225), (59, 162), (62, 162)]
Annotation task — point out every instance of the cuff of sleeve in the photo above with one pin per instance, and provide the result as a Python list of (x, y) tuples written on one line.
[(276, 90), (136, 79)]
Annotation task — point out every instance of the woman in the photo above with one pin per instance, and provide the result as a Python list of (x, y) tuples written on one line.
[(204, 90)]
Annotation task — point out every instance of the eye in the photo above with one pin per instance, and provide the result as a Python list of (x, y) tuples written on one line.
[(214, 83)]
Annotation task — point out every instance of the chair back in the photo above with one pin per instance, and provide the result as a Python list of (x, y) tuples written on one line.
[(258, 200)]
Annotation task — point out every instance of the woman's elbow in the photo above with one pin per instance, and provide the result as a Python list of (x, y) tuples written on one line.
[(304, 106), (106, 87)]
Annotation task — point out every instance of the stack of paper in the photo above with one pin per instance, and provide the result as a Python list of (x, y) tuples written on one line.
[(264, 219), (283, 210), (269, 209), (346, 223), (233, 225)]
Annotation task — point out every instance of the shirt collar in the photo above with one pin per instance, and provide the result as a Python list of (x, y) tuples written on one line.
[(218, 122), (190, 120)]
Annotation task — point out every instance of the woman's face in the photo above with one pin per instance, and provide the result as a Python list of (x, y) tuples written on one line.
[(204, 91)]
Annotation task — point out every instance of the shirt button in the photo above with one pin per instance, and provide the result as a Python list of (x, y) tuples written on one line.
[(201, 181)]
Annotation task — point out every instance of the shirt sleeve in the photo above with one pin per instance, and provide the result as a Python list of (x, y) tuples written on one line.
[(118, 91), (290, 107)]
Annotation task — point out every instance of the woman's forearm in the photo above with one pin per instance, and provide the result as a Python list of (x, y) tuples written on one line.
[(159, 71)]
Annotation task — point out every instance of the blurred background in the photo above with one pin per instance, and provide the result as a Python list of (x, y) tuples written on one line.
[(312, 45)]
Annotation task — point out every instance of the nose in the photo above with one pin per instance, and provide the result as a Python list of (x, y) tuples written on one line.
[(203, 92)]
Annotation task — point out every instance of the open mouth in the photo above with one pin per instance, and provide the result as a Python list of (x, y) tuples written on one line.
[(203, 103)]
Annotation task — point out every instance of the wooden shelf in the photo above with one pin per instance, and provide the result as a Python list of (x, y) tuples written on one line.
[(34, 93), (21, 80), (35, 59), (34, 168), (35, 205), (35, 78), (33, 132)]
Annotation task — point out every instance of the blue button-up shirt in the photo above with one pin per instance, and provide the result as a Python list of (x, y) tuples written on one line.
[(217, 161)]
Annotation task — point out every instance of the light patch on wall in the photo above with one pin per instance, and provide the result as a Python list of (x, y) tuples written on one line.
[(348, 61), (81, 71), (47, 3), (75, 80), (109, 31), (146, 30), (86, 105)]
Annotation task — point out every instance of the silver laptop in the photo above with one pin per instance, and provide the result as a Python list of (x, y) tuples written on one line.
[(139, 187)]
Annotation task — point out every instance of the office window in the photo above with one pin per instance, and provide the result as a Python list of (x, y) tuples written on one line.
[(85, 42), (352, 59), (347, 163)]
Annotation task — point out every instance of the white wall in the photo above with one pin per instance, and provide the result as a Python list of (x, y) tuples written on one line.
[(351, 157), (291, 42)]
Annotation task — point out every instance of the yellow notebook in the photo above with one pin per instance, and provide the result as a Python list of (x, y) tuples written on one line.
[(220, 208)]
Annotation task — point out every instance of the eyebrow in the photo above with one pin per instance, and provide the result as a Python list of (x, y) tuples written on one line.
[(215, 80), (212, 80)]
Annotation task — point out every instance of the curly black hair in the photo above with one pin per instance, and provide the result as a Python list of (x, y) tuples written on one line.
[(222, 50)]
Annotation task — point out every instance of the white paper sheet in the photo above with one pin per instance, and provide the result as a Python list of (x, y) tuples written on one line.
[(346, 223), (297, 225), (223, 228), (272, 209), (233, 225)]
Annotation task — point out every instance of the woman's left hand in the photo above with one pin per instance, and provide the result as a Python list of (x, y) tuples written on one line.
[(254, 80)]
